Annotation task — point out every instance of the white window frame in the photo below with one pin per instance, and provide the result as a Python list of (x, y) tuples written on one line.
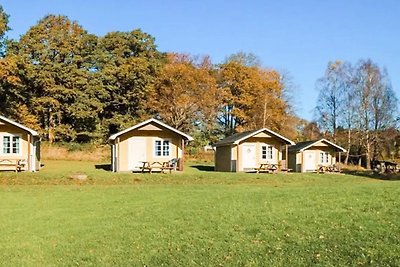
[(162, 140), (323, 157), (267, 152), (11, 144)]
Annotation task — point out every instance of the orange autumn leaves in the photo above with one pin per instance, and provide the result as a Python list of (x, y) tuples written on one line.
[(230, 97)]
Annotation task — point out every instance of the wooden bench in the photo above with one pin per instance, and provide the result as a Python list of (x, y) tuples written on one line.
[(13, 164)]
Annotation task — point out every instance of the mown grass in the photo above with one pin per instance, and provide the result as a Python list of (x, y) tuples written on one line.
[(199, 218)]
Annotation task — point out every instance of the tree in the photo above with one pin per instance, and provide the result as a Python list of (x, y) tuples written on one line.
[(245, 59), (377, 105), (127, 65), (253, 98), (11, 85), (331, 102), (186, 95), (3, 29), (56, 55), (310, 131)]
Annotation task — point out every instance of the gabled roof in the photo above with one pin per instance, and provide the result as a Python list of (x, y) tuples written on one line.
[(16, 124), (307, 144), (237, 138), (137, 126)]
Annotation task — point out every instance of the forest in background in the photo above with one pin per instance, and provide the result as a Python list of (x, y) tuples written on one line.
[(73, 86)]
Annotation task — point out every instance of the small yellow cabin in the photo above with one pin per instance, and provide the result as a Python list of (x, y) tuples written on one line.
[(246, 151), (309, 156), (149, 141), (19, 146)]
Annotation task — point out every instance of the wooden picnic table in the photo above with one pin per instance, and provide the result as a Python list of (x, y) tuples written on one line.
[(162, 166), (327, 168), (267, 167), (15, 164), (384, 166)]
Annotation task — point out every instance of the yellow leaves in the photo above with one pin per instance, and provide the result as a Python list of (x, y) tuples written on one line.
[(26, 117), (255, 95), (184, 92), (8, 71)]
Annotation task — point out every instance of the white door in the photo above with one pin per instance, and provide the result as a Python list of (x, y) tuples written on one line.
[(137, 152), (309, 161), (249, 156)]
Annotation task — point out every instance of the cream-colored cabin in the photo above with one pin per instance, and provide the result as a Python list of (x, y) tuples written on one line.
[(310, 155), (149, 141), (246, 151), (18, 144)]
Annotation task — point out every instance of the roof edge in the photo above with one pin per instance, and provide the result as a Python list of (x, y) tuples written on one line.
[(262, 130), (114, 136), (323, 140), (33, 132)]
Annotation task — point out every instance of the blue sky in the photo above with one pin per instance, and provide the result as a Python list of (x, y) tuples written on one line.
[(299, 37)]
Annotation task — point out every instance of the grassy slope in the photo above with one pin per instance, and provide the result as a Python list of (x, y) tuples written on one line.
[(197, 218)]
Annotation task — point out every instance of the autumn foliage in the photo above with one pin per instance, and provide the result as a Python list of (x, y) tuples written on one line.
[(71, 85)]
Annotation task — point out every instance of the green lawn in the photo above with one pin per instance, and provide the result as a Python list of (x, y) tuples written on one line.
[(198, 218)]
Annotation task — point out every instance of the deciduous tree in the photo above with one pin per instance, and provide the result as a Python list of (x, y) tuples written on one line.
[(377, 105), (186, 94), (56, 54), (127, 66)]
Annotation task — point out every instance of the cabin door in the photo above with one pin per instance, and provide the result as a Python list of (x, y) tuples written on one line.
[(309, 161), (137, 152), (249, 156)]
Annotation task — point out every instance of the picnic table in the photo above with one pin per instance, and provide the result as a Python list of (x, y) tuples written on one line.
[(327, 168), (384, 166), (162, 166), (14, 164), (267, 167)]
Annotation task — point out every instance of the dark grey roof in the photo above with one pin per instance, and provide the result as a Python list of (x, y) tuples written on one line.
[(301, 145), (233, 138)]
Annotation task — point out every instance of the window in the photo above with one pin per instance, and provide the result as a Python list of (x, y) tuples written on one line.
[(165, 148), (266, 152), (11, 144), (161, 148), (324, 157)]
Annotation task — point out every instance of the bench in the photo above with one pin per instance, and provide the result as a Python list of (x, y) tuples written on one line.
[(13, 164)]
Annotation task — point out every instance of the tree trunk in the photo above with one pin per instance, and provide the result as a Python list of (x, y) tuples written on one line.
[(50, 132), (368, 152), (346, 161)]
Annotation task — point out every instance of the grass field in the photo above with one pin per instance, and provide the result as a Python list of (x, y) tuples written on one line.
[(198, 218)]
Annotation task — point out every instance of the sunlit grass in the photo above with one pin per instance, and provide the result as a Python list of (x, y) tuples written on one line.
[(196, 218)]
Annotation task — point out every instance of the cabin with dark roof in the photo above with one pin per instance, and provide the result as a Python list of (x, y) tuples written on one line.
[(310, 156), (247, 150)]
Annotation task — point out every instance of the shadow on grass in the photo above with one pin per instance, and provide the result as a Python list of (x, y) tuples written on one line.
[(374, 175), (106, 167), (204, 168)]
